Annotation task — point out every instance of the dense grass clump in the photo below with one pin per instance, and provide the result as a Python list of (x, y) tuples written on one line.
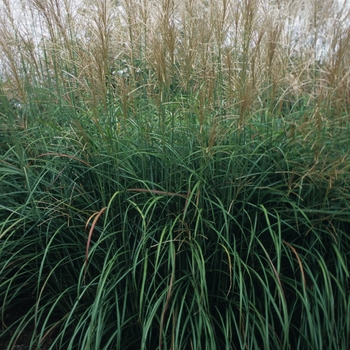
[(174, 175)]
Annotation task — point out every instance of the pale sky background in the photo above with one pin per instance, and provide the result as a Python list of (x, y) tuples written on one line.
[(26, 21), (17, 5)]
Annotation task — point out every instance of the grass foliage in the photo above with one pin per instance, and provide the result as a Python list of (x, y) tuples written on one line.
[(175, 174)]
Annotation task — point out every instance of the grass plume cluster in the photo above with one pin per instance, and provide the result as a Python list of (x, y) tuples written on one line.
[(175, 174)]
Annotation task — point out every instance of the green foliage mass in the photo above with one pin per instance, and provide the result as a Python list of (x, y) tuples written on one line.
[(178, 204)]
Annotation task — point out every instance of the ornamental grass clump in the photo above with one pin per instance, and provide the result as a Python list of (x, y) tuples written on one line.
[(174, 175)]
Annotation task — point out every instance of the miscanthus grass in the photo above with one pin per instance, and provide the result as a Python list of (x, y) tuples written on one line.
[(174, 175)]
